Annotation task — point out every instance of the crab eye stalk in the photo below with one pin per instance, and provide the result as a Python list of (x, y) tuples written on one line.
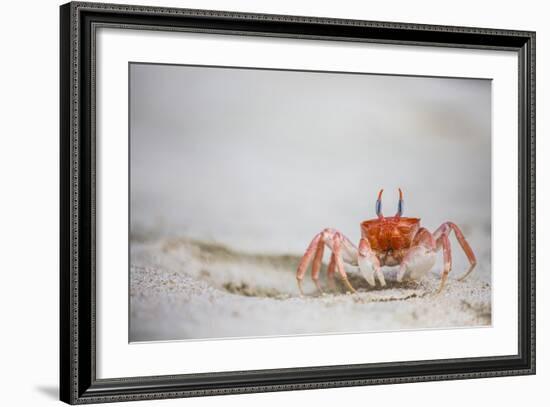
[(400, 205), (379, 205)]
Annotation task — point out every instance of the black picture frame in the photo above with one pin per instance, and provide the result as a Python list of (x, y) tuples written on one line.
[(78, 382)]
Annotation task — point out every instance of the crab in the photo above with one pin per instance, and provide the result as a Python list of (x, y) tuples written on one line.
[(385, 241)]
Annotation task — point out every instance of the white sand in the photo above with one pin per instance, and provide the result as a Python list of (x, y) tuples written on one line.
[(183, 289)]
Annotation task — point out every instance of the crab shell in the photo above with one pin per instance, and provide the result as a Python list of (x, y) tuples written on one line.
[(391, 237)]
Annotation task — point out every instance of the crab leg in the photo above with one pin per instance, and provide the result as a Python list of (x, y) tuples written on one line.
[(336, 250), (445, 229), (304, 263), (424, 238), (342, 250), (447, 261), (316, 268), (330, 272)]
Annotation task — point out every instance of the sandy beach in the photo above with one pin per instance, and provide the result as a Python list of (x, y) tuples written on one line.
[(184, 289)]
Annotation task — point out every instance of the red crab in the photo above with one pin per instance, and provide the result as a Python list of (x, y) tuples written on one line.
[(385, 241)]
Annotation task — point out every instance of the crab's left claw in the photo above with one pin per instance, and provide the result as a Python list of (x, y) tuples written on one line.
[(369, 265)]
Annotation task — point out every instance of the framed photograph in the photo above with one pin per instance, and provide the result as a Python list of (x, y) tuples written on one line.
[(255, 203)]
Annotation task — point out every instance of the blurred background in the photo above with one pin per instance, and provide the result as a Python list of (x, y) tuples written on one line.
[(261, 160)]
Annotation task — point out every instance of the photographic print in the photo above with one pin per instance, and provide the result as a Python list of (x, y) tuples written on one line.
[(323, 186), (269, 202)]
